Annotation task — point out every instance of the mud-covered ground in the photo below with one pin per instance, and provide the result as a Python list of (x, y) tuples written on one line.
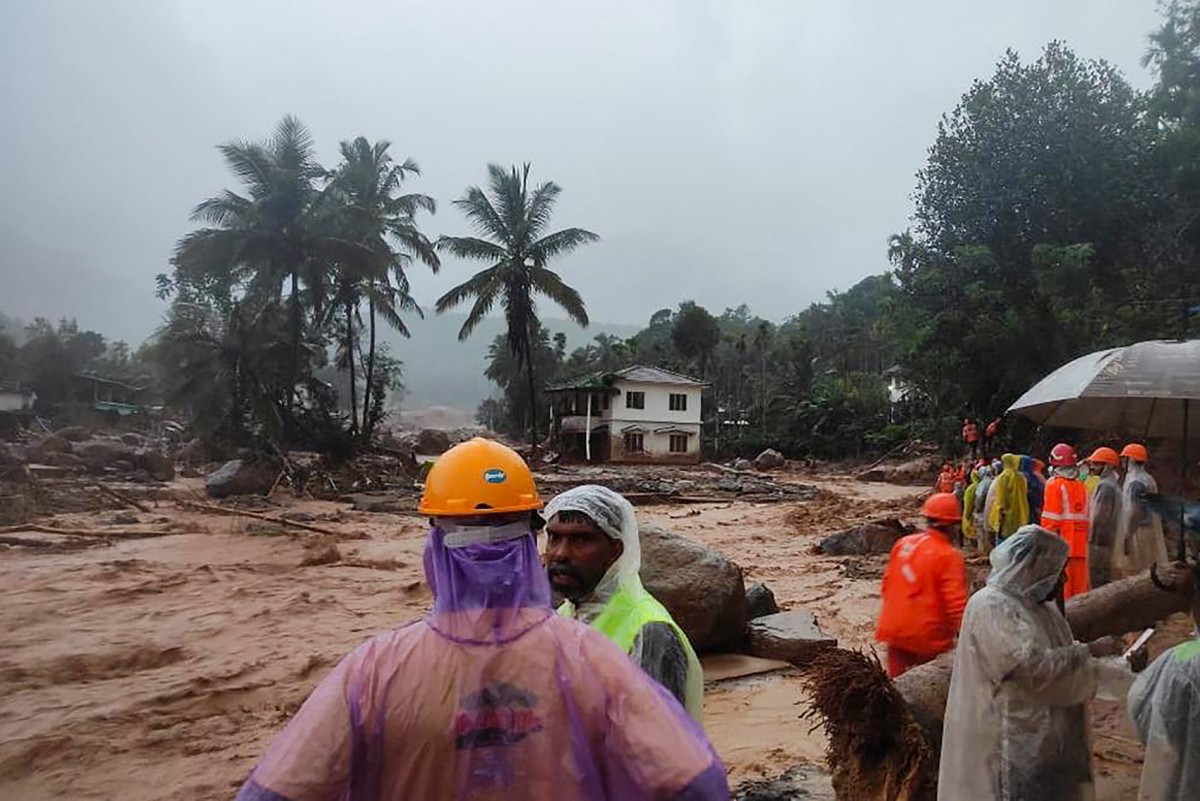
[(160, 667)]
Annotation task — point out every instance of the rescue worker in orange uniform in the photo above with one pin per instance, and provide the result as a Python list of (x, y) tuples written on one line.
[(1065, 512), (945, 479), (924, 589)]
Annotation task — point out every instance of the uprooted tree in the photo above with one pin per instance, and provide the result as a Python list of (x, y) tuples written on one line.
[(885, 736)]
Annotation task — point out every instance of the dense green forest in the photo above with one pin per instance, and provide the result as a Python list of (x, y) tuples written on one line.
[(1056, 214)]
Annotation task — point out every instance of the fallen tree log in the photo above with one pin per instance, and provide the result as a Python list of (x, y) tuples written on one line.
[(221, 510), (1117, 608), (903, 768)]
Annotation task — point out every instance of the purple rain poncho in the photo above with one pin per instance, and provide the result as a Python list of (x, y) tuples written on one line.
[(491, 696)]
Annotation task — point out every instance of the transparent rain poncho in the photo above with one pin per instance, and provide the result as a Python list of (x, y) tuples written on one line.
[(492, 696), (660, 648), (1105, 511), (1016, 717), (1140, 542), (1165, 706)]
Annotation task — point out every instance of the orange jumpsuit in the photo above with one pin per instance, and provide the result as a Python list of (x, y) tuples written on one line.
[(1065, 512), (924, 593)]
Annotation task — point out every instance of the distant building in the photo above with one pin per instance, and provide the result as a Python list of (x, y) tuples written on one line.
[(107, 395), (14, 398), (639, 414)]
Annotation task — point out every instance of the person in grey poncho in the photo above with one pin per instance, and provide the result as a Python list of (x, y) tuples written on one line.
[(1164, 704)]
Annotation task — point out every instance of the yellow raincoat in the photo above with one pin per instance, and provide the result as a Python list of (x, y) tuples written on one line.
[(968, 505), (1011, 508)]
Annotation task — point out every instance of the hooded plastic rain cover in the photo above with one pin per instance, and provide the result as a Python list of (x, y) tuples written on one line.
[(1140, 542), (1016, 718), (658, 655), (1165, 706), (492, 696)]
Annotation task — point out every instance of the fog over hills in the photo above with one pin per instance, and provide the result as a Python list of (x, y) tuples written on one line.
[(438, 369)]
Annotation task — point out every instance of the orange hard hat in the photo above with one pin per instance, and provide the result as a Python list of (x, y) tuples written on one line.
[(479, 477), (1063, 455), (1136, 451), (1104, 455), (942, 507)]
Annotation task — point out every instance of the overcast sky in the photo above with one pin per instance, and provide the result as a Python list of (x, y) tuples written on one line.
[(728, 152)]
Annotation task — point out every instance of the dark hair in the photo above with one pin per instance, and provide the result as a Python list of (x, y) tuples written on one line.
[(572, 516)]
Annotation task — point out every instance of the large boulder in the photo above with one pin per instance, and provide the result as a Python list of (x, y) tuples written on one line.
[(192, 454), (770, 459), (74, 433), (432, 442), (66, 460), (913, 472), (156, 463), (790, 636), (702, 589), (878, 536), (99, 454), (50, 444), (242, 477), (743, 464)]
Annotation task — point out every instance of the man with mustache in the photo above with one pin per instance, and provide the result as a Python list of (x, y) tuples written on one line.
[(593, 558)]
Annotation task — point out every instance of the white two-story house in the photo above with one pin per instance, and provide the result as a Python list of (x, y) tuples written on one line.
[(639, 414)]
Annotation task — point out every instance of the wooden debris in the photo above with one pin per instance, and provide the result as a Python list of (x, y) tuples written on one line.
[(221, 510), (123, 498)]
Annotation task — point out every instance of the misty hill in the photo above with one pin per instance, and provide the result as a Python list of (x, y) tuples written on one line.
[(441, 371), (438, 369)]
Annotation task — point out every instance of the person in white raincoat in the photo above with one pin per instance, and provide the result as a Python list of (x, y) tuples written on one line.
[(1140, 542), (1165, 706), (1016, 718)]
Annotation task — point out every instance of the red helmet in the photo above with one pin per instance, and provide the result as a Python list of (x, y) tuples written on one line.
[(942, 507), (1063, 455)]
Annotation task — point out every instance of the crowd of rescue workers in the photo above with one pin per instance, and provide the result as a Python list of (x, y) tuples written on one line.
[(499, 694)]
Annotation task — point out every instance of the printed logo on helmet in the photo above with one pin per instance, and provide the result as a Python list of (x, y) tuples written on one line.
[(495, 476)]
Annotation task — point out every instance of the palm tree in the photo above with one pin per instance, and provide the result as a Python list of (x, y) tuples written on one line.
[(268, 236), (382, 223), (511, 220)]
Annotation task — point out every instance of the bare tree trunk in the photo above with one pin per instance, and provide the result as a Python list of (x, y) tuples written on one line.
[(295, 370), (533, 403), (1122, 606), (888, 734), (368, 421), (350, 358)]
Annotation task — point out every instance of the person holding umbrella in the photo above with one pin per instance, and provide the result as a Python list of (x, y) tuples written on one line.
[(1140, 541)]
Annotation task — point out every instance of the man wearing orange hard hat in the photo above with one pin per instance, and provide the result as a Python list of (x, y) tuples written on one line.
[(491, 695), (1140, 541), (1104, 510), (924, 589), (1065, 513)]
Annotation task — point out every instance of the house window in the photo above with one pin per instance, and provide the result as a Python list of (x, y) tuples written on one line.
[(679, 443), (678, 402), (606, 401), (634, 443), (635, 400)]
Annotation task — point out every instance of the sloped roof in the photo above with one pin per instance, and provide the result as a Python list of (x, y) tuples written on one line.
[(657, 375), (638, 372)]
